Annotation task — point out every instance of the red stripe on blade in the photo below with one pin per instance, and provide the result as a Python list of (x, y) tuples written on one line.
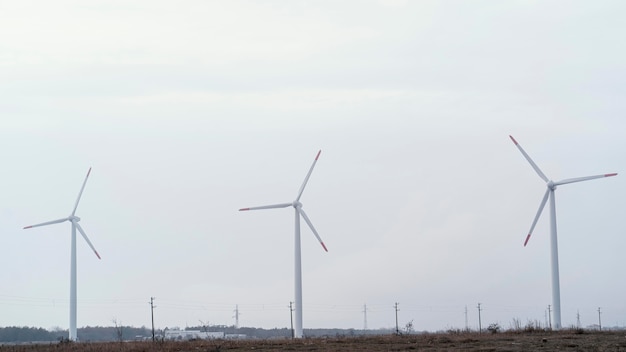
[(609, 175), (324, 246), (318, 154), (527, 238), (513, 139), (242, 209), (27, 227)]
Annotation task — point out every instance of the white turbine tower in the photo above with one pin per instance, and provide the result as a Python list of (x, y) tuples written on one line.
[(74, 220), (554, 257), (298, 262)]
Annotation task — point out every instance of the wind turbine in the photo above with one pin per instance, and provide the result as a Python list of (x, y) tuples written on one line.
[(554, 255), (298, 262), (75, 225)]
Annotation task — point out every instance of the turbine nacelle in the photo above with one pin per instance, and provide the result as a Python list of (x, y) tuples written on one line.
[(73, 218), (551, 185), (296, 204)]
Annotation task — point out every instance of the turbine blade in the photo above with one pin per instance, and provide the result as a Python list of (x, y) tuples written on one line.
[(306, 179), (306, 218), (47, 223), (532, 163), (541, 206), (586, 178), (283, 205), (81, 192), (82, 232)]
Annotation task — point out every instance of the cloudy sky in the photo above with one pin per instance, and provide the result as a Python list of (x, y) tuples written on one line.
[(188, 111)]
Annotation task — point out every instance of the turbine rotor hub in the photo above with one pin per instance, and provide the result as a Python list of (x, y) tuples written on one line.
[(551, 185), (296, 204), (74, 218)]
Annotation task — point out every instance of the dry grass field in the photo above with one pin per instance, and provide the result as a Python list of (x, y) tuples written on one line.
[(506, 341)]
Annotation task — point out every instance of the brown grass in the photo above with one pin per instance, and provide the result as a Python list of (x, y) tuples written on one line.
[(507, 341)]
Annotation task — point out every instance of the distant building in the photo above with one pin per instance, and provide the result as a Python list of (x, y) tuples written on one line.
[(182, 335), (235, 336)]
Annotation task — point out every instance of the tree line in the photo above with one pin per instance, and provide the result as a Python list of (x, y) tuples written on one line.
[(15, 334)]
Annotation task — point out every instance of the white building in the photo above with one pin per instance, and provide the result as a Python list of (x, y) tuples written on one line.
[(192, 335)]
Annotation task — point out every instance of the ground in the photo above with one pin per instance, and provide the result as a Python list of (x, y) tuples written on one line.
[(505, 341)]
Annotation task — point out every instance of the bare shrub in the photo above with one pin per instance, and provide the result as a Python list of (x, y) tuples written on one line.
[(516, 324), (533, 326), (493, 328)]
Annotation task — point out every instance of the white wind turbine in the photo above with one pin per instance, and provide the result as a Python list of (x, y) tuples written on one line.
[(74, 220), (554, 257), (298, 262)]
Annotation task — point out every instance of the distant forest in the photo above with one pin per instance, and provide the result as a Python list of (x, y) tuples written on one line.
[(14, 334)]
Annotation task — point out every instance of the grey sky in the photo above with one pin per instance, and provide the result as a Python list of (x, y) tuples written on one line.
[(189, 111)]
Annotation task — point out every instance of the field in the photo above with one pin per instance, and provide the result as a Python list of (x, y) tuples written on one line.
[(506, 341)]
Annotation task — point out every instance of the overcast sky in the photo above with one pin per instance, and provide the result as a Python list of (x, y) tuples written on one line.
[(188, 111)]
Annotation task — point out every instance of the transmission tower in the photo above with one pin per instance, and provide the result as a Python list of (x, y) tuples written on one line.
[(365, 317), (550, 316), (236, 316)]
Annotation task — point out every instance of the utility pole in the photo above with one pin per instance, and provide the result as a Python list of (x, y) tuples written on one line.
[(549, 317), (291, 315), (396, 308), (480, 326), (365, 317), (466, 326), (578, 319), (152, 306), (599, 319)]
